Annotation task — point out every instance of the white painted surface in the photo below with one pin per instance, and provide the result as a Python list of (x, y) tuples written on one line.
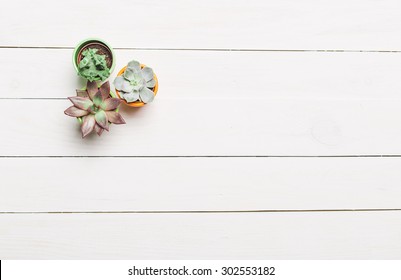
[(252, 24), (204, 127), (215, 75), (191, 184), (216, 103), (337, 235)]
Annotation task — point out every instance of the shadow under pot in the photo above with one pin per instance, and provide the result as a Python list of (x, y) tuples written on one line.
[(93, 59)]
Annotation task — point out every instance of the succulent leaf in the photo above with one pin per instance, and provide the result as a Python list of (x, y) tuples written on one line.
[(151, 83), (146, 95), (131, 97), (139, 85), (129, 74), (81, 102), (97, 99), (102, 120), (92, 109), (75, 112), (110, 104), (89, 52), (135, 65), (118, 82), (105, 90), (115, 117), (84, 62), (98, 129), (127, 87), (91, 87), (82, 93), (87, 125), (147, 73)]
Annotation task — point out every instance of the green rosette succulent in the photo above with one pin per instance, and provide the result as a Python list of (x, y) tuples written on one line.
[(96, 108), (93, 66), (136, 83)]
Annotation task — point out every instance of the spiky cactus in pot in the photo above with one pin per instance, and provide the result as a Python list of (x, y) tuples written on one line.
[(96, 108), (93, 66)]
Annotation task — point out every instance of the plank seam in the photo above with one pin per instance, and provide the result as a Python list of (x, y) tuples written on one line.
[(212, 49), (212, 156), (201, 211)]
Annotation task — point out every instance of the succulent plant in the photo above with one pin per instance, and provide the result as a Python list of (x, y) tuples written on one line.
[(136, 83), (93, 66), (96, 108)]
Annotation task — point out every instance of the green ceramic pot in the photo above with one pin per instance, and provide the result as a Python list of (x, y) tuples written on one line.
[(94, 42)]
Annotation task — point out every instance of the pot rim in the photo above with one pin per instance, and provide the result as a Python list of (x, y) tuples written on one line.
[(137, 103)]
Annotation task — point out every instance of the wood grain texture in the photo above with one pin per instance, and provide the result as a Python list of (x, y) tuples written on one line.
[(198, 184), (211, 75), (223, 128), (345, 103), (215, 99), (251, 24), (202, 236)]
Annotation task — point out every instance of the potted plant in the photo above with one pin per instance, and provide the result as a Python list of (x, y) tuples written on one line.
[(136, 84), (94, 59), (96, 108)]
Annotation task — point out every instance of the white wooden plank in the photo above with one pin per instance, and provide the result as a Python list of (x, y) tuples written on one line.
[(373, 235), (328, 124), (198, 184), (253, 24), (217, 75), (222, 127)]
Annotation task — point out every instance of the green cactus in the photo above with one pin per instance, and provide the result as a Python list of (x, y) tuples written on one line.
[(93, 66)]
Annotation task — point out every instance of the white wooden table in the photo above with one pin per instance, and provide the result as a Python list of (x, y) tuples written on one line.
[(276, 132)]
